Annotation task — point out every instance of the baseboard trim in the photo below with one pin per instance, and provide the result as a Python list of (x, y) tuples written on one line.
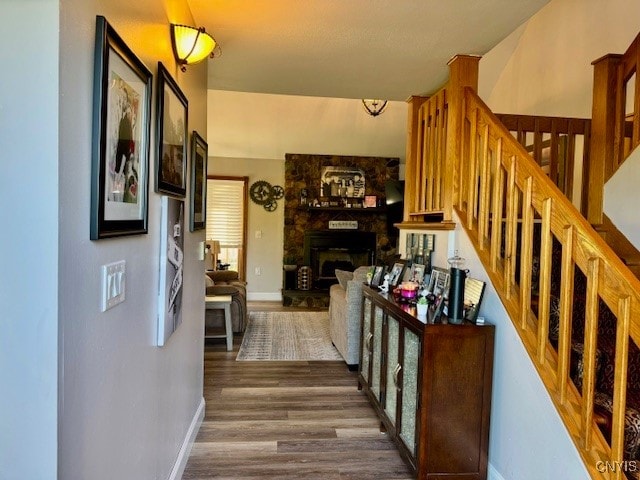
[(264, 297), (185, 450), (492, 474)]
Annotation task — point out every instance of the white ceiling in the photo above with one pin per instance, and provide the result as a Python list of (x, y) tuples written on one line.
[(388, 49)]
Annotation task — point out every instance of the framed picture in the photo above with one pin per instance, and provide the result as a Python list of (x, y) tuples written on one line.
[(342, 182), (121, 130), (473, 292), (439, 281), (370, 201), (419, 248), (171, 267), (395, 276), (171, 133), (199, 156), (377, 276), (417, 272)]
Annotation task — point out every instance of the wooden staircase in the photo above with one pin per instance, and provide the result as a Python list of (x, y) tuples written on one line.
[(462, 158), (627, 252), (557, 145)]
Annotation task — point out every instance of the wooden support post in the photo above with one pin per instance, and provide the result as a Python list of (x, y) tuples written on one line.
[(603, 126), (463, 72), (411, 160)]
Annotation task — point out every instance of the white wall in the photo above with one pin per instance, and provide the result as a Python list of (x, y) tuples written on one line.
[(254, 125), (265, 252), (29, 239), (126, 406), (620, 193), (543, 68)]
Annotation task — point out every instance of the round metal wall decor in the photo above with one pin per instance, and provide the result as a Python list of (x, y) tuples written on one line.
[(260, 192), (265, 194)]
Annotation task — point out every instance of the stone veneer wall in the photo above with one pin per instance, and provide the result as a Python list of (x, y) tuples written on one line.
[(303, 171)]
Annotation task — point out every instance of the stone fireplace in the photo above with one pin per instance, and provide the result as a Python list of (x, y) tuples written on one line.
[(303, 176)]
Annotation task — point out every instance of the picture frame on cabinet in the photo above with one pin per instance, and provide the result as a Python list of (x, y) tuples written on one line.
[(377, 276), (172, 110), (473, 293), (122, 88), (199, 156), (395, 276), (439, 281), (417, 273)]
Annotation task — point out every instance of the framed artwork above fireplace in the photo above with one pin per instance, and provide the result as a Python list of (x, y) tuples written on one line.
[(342, 182)]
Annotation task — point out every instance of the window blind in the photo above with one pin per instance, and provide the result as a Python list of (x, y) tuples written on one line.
[(225, 207)]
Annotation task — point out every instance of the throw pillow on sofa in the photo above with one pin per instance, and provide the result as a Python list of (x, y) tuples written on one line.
[(360, 274), (343, 277)]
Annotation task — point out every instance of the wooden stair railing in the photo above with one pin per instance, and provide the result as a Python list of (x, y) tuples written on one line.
[(426, 142), (620, 244), (499, 193), (432, 149), (502, 192), (559, 145), (615, 121)]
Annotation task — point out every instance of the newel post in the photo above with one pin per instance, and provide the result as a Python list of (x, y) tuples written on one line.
[(411, 155), (603, 133), (463, 72)]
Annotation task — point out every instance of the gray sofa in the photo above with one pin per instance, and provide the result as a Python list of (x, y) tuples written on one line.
[(345, 307)]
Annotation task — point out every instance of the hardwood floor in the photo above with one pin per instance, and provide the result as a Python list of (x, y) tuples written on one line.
[(287, 420)]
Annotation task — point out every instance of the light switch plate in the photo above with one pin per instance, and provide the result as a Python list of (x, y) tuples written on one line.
[(114, 276)]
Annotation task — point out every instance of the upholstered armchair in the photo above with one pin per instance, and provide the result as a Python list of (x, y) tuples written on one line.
[(226, 282), (345, 308)]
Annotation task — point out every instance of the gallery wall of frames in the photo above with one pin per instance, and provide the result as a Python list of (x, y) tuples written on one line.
[(122, 122)]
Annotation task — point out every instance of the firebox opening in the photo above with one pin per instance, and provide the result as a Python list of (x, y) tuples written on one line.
[(326, 250), (330, 259)]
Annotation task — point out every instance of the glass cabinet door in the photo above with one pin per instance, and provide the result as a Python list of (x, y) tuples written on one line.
[(378, 318), (365, 340), (392, 367), (409, 389)]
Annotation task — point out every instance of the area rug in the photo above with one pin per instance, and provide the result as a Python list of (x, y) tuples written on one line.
[(287, 336)]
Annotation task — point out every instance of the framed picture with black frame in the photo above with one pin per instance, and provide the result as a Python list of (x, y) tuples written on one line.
[(171, 133), (395, 276), (377, 276), (473, 293), (199, 158), (122, 87), (439, 281), (417, 272)]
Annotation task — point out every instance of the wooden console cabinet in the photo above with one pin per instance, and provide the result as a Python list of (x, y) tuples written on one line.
[(430, 384)]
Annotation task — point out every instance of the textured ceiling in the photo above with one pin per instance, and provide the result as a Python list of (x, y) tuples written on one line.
[(387, 49)]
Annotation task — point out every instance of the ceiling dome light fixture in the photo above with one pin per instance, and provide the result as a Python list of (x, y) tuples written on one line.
[(192, 45), (374, 107)]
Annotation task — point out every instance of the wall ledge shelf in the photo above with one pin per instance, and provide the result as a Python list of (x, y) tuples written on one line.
[(425, 225), (345, 209)]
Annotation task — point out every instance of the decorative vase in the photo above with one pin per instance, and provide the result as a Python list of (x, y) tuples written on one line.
[(421, 308)]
